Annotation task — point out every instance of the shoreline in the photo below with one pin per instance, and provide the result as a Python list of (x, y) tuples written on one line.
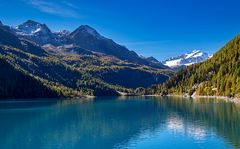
[(228, 99), (225, 98)]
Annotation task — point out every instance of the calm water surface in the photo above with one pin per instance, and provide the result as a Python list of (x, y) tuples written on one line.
[(133, 122)]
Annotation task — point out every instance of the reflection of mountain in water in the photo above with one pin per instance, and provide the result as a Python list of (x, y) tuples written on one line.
[(108, 123), (221, 117)]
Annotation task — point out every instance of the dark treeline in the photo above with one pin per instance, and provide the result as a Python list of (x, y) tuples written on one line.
[(17, 84)]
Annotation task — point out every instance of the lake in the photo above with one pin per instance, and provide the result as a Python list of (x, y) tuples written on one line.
[(124, 122)]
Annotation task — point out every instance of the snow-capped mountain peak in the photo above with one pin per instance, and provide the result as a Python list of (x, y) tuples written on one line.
[(187, 59), (30, 28)]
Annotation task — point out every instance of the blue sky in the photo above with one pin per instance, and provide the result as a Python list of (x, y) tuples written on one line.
[(159, 28)]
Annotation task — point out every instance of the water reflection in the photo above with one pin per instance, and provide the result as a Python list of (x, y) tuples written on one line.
[(176, 124), (120, 123)]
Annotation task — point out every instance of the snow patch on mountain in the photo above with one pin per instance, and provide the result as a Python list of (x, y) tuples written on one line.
[(187, 59), (31, 28), (62, 33)]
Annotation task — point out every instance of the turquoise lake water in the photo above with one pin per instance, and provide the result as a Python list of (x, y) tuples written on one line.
[(110, 122)]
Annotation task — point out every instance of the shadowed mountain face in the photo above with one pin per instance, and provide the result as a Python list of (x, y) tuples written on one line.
[(85, 37), (37, 32), (12, 81), (8, 38), (88, 38), (70, 70)]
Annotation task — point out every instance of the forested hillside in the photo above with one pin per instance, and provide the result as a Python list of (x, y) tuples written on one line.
[(218, 76), (17, 84), (69, 70)]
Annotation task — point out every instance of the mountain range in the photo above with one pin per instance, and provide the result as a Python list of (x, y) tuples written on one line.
[(69, 64), (84, 36), (38, 63), (187, 59)]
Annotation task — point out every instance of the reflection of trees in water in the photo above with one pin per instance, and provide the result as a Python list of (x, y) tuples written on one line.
[(106, 123), (100, 123)]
